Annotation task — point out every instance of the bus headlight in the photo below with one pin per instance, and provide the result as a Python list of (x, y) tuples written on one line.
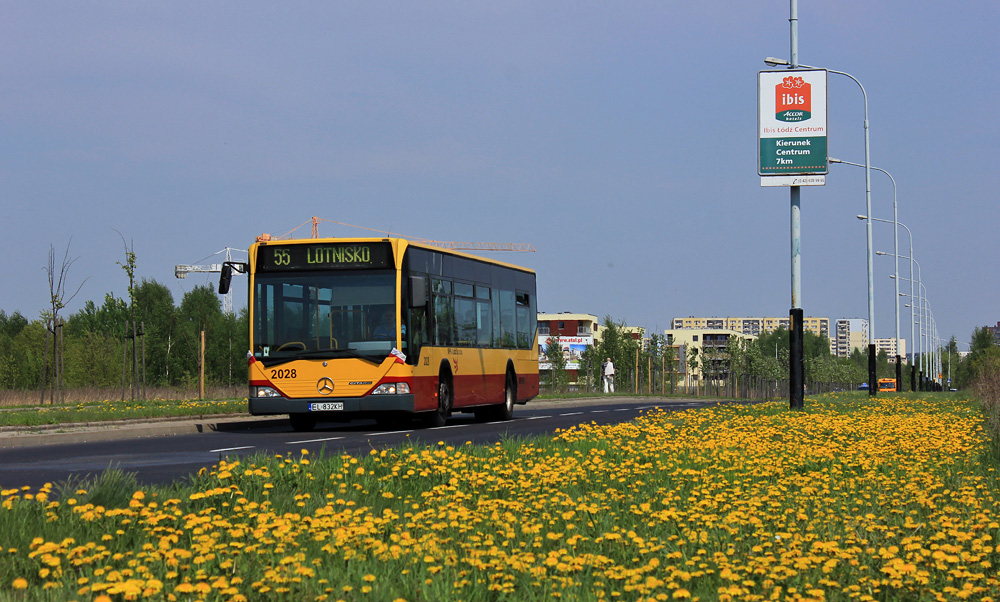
[(266, 392), (392, 389)]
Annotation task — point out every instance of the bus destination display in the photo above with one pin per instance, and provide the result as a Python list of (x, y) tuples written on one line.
[(324, 256)]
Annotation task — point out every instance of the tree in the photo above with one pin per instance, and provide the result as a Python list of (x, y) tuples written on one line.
[(590, 366), (108, 319), (558, 378), (97, 338), (982, 346), (12, 325), (694, 362), (200, 310), (617, 344), (660, 356), (132, 332), (57, 302), (24, 359), (157, 318)]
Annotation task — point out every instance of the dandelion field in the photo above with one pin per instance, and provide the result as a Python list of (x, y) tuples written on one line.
[(851, 499)]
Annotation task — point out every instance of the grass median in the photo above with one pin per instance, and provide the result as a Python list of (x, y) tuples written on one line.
[(114, 410), (853, 498)]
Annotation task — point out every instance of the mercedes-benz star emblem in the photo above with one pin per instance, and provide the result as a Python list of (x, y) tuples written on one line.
[(325, 385)]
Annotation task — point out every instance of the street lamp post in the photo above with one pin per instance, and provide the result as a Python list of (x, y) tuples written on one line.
[(872, 377), (895, 244), (921, 299), (913, 340), (933, 361)]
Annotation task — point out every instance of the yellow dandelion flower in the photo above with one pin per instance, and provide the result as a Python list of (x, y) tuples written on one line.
[(20, 583)]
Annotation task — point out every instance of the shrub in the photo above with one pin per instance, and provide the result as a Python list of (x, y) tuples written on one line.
[(986, 384)]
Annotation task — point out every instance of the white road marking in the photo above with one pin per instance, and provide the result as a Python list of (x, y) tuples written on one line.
[(313, 440), (225, 449)]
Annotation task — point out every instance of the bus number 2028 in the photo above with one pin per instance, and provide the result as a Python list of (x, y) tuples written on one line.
[(279, 373)]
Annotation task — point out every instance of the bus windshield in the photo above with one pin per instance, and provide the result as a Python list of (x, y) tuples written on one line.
[(324, 315)]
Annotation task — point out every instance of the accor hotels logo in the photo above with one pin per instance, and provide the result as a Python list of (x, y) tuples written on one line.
[(792, 100)]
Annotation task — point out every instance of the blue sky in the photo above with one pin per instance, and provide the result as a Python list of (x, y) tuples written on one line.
[(619, 139)]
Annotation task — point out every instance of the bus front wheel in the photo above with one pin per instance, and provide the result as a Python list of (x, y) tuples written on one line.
[(440, 416)]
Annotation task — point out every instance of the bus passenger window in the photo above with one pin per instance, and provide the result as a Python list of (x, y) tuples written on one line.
[(508, 325)]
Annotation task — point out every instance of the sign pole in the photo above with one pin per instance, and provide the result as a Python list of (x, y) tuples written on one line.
[(796, 361), (792, 151)]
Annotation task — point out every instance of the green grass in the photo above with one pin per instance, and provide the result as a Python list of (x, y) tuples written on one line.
[(112, 410)]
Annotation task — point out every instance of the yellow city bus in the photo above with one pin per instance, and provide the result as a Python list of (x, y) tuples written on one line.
[(887, 385), (388, 329)]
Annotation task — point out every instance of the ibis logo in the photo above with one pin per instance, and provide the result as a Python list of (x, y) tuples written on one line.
[(792, 100)]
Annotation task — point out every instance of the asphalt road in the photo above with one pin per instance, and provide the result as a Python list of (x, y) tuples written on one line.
[(164, 451)]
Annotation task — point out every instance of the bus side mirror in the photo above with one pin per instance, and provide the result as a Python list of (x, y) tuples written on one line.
[(418, 291), (225, 278)]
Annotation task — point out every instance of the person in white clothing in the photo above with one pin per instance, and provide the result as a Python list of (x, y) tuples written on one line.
[(609, 376)]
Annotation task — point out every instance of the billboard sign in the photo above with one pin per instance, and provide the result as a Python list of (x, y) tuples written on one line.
[(792, 123), (572, 348)]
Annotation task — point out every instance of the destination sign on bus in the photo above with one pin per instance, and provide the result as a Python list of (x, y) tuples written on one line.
[(324, 256)]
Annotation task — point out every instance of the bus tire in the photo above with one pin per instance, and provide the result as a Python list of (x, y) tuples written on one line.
[(444, 398), (506, 411), (302, 422)]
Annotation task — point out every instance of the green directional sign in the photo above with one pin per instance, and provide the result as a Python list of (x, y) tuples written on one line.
[(792, 122), (793, 155)]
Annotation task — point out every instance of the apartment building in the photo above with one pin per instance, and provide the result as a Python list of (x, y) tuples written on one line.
[(889, 346), (995, 331), (752, 326), (851, 334)]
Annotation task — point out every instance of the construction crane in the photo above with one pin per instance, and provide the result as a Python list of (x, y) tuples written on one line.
[(181, 271), (458, 246)]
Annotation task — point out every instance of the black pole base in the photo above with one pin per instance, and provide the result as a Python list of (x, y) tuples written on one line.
[(796, 361), (872, 371)]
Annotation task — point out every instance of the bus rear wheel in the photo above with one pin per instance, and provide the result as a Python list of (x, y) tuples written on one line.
[(504, 412)]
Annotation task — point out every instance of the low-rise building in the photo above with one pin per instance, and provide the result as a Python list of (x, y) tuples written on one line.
[(576, 332), (710, 343)]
